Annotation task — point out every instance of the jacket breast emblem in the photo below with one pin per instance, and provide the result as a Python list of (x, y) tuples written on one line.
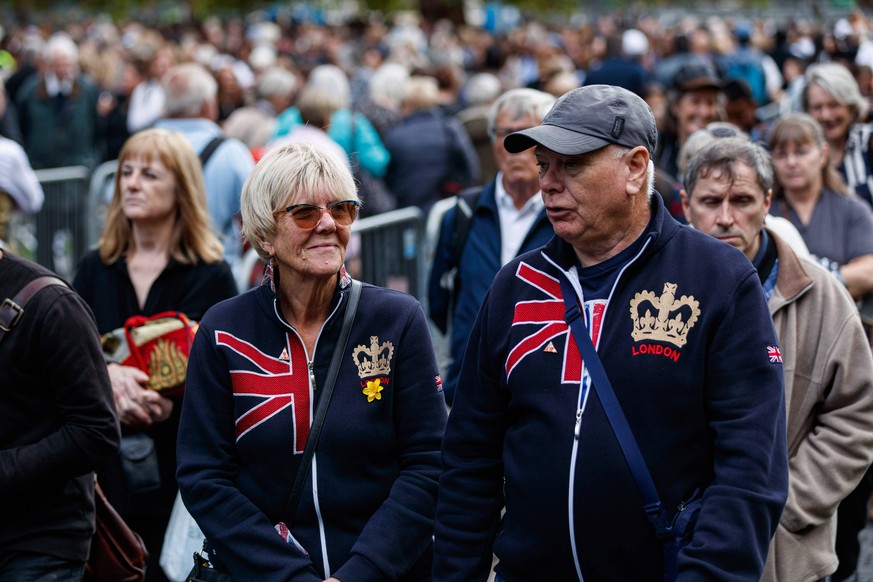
[(663, 318), (374, 360)]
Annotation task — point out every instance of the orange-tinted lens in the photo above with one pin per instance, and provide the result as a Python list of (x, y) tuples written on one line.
[(343, 213), (306, 216)]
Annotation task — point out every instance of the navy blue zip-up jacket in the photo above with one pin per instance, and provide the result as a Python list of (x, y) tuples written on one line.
[(703, 396), (366, 513), (476, 267)]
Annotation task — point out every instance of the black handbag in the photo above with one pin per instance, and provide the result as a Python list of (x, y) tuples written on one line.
[(139, 460), (203, 570)]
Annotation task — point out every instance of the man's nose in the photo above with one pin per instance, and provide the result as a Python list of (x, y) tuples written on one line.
[(548, 181), (725, 216)]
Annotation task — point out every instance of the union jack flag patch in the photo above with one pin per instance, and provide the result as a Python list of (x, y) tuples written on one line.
[(774, 354)]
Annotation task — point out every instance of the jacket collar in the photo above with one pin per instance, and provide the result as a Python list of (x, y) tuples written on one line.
[(661, 228), (792, 280)]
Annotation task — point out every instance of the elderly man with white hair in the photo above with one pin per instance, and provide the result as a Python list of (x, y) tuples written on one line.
[(57, 110), (254, 125), (191, 108)]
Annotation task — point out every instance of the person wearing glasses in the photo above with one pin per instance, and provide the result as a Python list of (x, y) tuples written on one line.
[(258, 367), (505, 218)]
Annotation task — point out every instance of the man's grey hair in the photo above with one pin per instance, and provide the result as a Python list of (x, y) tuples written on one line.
[(838, 81), (482, 88), (331, 79), (276, 82), (388, 85), (724, 155), (61, 44), (520, 103), (187, 88)]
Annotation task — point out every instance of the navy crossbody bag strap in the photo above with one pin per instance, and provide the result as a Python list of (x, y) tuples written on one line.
[(654, 509)]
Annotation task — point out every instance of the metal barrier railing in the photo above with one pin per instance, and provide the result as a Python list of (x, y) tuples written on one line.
[(388, 250), (57, 236)]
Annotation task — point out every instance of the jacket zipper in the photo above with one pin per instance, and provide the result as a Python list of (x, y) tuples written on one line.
[(314, 470), (573, 276)]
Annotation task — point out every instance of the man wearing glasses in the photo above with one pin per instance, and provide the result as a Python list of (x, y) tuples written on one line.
[(488, 227)]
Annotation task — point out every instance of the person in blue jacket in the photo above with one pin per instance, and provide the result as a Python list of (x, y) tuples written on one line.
[(682, 329), (507, 218), (257, 368)]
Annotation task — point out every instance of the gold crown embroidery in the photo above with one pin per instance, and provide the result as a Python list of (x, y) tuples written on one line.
[(667, 323), (375, 360), (167, 366)]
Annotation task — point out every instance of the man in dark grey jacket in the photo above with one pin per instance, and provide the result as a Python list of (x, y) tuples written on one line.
[(57, 425)]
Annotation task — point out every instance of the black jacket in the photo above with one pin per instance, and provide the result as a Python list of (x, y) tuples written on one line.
[(57, 419)]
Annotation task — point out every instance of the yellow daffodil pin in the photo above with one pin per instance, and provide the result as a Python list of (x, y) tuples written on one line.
[(374, 390)]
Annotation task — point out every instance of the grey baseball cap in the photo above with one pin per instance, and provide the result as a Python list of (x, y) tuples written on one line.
[(589, 118)]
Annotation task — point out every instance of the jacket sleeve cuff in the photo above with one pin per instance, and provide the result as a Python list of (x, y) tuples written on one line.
[(359, 569)]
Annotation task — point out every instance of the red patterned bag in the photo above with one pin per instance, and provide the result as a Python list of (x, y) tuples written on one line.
[(158, 345)]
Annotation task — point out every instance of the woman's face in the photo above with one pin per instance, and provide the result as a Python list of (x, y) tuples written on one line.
[(148, 189), (798, 166), (317, 252), (833, 116)]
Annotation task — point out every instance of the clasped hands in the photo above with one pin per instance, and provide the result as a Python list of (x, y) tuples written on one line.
[(137, 406)]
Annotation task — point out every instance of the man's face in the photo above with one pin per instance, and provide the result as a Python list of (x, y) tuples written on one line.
[(585, 196), (741, 112), (63, 66), (694, 110), (729, 209), (519, 170)]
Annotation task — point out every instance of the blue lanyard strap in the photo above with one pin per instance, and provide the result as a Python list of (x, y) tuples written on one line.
[(634, 457)]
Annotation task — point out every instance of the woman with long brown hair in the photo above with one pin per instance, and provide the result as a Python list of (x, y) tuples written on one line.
[(157, 253)]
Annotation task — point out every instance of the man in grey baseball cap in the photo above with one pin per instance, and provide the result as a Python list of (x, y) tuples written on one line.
[(590, 118), (687, 344)]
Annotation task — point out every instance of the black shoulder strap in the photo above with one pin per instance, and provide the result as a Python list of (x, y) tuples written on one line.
[(11, 310), (464, 208), (210, 149)]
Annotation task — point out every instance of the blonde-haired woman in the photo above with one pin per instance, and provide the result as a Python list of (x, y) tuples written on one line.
[(258, 374), (157, 253)]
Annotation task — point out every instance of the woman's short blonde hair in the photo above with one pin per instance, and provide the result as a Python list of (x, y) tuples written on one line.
[(193, 240), (286, 176)]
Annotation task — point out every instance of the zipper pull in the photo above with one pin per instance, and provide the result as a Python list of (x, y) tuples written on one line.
[(312, 375), (578, 427)]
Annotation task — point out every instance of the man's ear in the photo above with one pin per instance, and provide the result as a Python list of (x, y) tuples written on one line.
[(638, 170), (686, 205), (210, 109)]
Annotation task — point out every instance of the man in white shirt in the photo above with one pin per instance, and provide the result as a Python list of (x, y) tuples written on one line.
[(488, 227)]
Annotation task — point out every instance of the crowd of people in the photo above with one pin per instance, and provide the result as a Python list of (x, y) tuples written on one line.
[(651, 266)]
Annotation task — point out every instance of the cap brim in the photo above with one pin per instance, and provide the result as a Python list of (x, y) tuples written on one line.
[(557, 139), (702, 83)]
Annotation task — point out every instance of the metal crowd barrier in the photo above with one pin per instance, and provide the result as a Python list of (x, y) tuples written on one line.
[(57, 236), (388, 250)]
